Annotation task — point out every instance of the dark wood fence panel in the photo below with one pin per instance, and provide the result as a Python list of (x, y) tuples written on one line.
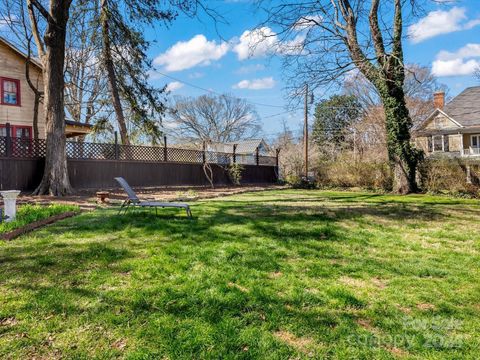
[(25, 174), (20, 174)]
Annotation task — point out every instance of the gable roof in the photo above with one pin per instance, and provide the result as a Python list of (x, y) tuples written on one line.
[(20, 53), (243, 146), (436, 112), (465, 107), (246, 146)]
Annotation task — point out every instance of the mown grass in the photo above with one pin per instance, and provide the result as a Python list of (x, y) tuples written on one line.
[(29, 213), (271, 275)]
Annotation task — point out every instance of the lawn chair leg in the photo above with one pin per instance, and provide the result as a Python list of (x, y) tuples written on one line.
[(189, 212), (124, 206)]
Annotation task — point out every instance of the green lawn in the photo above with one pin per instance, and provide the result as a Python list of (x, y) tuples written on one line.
[(27, 214), (270, 275)]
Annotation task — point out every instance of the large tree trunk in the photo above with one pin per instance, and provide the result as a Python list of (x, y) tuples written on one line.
[(55, 179), (403, 157), (112, 77), (36, 106)]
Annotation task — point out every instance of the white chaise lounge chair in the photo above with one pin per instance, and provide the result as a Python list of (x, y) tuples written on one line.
[(134, 201)]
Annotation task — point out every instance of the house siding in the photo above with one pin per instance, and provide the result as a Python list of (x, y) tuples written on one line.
[(421, 143), (455, 142), (12, 66), (441, 122)]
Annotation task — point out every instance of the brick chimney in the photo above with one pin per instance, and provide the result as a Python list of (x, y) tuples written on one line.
[(439, 100)]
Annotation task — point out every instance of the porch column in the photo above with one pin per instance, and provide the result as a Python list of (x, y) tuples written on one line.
[(462, 149)]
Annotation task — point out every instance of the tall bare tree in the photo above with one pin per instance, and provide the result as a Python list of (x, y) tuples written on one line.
[(324, 40), (212, 118), (85, 85), (419, 86), (51, 50)]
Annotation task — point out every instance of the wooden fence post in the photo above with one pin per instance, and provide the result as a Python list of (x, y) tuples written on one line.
[(257, 155), (204, 155), (165, 151), (276, 159), (116, 146), (234, 153), (8, 150)]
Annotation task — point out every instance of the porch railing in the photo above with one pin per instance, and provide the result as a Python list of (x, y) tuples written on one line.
[(471, 151)]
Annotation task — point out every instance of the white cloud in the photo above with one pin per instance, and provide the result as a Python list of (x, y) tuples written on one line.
[(440, 22), (464, 61), (454, 67), (256, 84), (174, 85), (264, 41), (256, 43), (197, 51), (469, 50)]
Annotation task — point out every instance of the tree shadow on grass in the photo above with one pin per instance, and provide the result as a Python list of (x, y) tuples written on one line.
[(199, 270)]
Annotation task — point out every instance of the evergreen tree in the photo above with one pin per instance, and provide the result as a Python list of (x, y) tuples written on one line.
[(127, 64), (333, 118)]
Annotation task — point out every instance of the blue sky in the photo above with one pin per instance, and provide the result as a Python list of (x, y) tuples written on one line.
[(446, 38)]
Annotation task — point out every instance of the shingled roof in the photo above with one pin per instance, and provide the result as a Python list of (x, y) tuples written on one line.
[(465, 107)]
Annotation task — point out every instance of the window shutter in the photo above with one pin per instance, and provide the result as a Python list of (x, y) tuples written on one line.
[(430, 145), (445, 143)]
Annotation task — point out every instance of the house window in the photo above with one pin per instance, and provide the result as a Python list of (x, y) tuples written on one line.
[(10, 91), (475, 141), (17, 131), (438, 143)]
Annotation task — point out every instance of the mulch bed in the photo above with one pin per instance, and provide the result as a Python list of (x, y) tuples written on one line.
[(37, 224)]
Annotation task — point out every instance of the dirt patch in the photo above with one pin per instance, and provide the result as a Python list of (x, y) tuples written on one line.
[(10, 321), (397, 352), (358, 283), (366, 324), (425, 306), (364, 284), (239, 287), (379, 283), (275, 275), (87, 199), (300, 343), (404, 309), (120, 344)]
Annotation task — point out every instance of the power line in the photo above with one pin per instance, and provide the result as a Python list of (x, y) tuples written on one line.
[(213, 91)]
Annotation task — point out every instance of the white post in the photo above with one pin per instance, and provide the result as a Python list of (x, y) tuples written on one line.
[(10, 201), (469, 174)]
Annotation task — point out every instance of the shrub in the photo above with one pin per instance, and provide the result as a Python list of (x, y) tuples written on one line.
[(345, 172), (446, 175), (235, 172), (293, 180)]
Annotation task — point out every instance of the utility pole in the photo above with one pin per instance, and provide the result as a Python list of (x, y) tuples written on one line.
[(305, 133), (355, 145)]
